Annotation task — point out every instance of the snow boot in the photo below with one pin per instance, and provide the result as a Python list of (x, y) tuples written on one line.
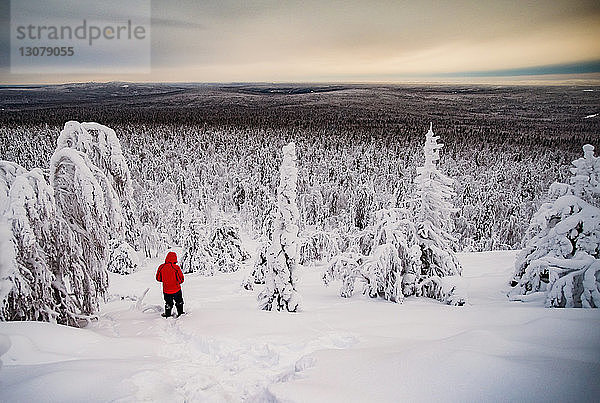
[(179, 309), (167, 312)]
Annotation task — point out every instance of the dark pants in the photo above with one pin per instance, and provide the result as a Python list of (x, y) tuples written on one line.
[(169, 298)]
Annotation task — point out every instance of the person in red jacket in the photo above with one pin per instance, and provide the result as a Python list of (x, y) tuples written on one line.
[(171, 276)]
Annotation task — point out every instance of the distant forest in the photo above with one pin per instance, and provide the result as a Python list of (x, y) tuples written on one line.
[(190, 146)]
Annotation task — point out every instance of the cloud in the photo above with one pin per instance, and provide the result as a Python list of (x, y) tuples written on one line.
[(230, 40)]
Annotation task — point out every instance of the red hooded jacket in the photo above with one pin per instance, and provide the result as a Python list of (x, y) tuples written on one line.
[(170, 274)]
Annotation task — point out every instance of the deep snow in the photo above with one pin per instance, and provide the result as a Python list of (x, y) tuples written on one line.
[(346, 350)]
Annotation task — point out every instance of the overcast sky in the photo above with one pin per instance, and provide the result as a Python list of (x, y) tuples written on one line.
[(208, 41)]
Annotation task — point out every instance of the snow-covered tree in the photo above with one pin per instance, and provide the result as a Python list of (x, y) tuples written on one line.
[(225, 247), (220, 250), (562, 259), (179, 222), (407, 252), (347, 268), (56, 238), (363, 206), (259, 268), (8, 172), (89, 217), (257, 275), (586, 176), (103, 148), (282, 259), (123, 259), (151, 241), (383, 271), (27, 280), (317, 245), (387, 265), (434, 214), (196, 258)]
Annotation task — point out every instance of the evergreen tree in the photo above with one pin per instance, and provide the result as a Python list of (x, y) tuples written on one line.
[(28, 252), (586, 176), (123, 259), (347, 268), (219, 251), (196, 258), (562, 255), (406, 252), (58, 238), (89, 217), (225, 246), (282, 258), (103, 148), (434, 214), (317, 245)]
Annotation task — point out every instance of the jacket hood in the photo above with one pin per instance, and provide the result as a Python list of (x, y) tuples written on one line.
[(171, 257)]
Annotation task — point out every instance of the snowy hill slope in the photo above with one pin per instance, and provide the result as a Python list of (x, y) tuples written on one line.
[(356, 349)]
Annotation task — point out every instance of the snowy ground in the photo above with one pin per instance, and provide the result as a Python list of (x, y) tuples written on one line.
[(346, 350)]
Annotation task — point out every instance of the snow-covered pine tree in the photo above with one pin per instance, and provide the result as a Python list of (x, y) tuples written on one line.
[(282, 260), (196, 258), (390, 267), (407, 252), (89, 217), (586, 176), (225, 246), (562, 259), (152, 241), (8, 172), (393, 271), (433, 212), (363, 207), (103, 148), (220, 250), (8, 267), (27, 218), (257, 275), (180, 222), (123, 259)]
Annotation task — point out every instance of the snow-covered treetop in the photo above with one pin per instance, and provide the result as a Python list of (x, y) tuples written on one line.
[(586, 175), (103, 147), (432, 147), (71, 170)]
